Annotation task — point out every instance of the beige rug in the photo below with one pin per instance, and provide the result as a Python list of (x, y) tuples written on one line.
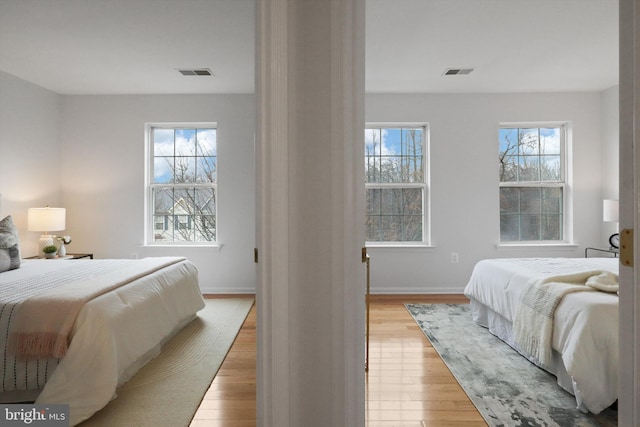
[(168, 390)]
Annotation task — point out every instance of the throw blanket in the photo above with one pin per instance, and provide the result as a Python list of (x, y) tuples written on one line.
[(533, 323), (43, 322)]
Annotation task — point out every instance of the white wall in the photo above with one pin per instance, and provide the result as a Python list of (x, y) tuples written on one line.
[(610, 153), (86, 153), (103, 179), (93, 147), (29, 153), (464, 181)]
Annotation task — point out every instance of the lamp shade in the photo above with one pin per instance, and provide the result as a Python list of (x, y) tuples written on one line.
[(610, 210), (46, 219)]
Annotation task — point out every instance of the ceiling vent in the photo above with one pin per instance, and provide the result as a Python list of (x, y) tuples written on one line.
[(457, 71), (195, 71)]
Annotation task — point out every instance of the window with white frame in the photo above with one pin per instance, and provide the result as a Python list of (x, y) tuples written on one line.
[(533, 184), (395, 183), (182, 184)]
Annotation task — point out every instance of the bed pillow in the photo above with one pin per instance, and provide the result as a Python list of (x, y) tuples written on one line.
[(9, 245)]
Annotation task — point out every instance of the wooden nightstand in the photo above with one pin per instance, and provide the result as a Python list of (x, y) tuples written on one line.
[(78, 256), (67, 256)]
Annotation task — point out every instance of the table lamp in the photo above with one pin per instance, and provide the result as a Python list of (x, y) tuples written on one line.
[(46, 220), (610, 213)]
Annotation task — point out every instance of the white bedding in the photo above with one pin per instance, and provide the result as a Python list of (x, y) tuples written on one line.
[(114, 335), (585, 333)]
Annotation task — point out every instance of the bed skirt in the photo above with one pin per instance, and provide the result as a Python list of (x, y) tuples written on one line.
[(502, 328)]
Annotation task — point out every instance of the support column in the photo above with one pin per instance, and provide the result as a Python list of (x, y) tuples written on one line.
[(629, 319), (310, 227)]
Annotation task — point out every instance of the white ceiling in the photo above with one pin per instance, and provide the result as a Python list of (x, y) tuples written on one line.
[(135, 46)]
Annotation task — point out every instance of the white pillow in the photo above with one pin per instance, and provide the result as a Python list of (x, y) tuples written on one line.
[(9, 245)]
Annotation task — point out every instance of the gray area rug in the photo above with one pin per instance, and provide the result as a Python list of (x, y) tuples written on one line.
[(506, 388)]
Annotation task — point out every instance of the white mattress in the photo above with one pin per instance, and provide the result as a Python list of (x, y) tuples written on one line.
[(585, 333), (114, 335)]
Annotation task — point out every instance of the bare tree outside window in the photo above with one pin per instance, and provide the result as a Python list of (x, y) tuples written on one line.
[(183, 186), (395, 184), (531, 169)]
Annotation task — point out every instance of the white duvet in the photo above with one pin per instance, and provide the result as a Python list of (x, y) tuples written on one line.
[(585, 332), (114, 335)]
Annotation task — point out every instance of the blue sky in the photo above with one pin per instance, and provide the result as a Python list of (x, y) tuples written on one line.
[(183, 144), (549, 139), (391, 141)]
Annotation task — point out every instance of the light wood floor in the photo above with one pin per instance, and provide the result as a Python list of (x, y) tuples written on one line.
[(408, 385), (231, 399)]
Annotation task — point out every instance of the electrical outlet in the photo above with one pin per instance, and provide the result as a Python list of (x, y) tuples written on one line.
[(455, 257), (134, 255)]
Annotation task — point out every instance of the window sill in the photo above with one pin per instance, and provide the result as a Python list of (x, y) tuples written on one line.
[(398, 247), (530, 246), (182, 245)]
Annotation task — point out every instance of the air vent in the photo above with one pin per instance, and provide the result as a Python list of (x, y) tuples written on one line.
[(195, 71), (457, 71)]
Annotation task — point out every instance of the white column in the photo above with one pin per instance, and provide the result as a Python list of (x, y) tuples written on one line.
[(310, 227), (629, 333)]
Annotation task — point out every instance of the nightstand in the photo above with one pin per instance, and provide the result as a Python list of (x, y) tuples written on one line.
[(613, 251), (78, 256), (67, 256)]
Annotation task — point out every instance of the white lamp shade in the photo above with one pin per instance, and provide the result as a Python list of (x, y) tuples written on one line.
[(610, 210), (46, 219)]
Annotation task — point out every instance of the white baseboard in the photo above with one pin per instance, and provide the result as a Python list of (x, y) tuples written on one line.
[(379, 290), (211, 290), (394, 290)]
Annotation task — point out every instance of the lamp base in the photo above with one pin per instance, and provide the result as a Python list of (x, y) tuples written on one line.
[(45, 240)]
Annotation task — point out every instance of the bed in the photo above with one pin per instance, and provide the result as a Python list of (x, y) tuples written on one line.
[(584, 336), (113, 336)]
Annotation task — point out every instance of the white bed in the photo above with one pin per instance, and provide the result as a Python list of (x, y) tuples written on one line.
[(585, 328), (113, 336)]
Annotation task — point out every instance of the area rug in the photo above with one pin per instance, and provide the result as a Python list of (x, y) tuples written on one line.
[(505, 387), (168, 390)]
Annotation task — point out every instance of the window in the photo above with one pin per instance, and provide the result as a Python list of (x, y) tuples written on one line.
[(395, 183), (182, 184), (532, 183)]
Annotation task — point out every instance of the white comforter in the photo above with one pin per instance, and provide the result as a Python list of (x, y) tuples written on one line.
[(585, 332), (114, 335)]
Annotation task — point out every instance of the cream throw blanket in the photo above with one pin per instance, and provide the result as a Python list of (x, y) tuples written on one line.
[(533, 323), (44, 322)]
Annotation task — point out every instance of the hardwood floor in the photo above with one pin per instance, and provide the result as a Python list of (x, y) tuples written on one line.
[(231, 399), (408, 385)]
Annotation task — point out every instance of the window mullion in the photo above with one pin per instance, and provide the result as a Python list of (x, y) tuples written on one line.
[(527, 214), (392, 153), (183, 204)]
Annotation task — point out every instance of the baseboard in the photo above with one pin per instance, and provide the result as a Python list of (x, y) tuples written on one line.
[(223, 296), (384, 290), (211, 290), (416, 291)]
